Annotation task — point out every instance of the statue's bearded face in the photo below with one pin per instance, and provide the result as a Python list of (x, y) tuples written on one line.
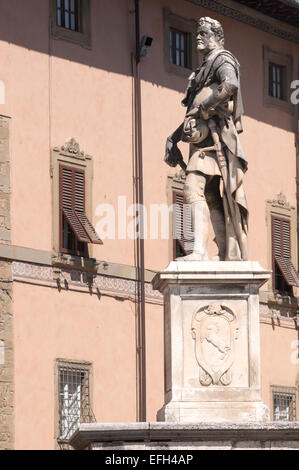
[(207, 40)]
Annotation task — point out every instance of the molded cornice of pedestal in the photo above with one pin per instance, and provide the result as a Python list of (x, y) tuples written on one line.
[(210, 272), (124, 434)]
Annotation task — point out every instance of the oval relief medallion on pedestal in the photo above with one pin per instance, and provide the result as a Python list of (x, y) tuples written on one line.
[(214, 329)]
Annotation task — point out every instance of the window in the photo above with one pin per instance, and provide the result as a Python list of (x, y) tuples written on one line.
[(73, 233), (278, 69), (68, 14), (179, 48), (282, 245), (75, 228), (284, 403), (70, 243), (70, 21), (183, 239), (284, 273), (180, 55), (277, 81), (73, 397)]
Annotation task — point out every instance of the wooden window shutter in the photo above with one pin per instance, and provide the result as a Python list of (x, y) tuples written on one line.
[(182, 224), (79, 177), (72, 203), (281, 246)]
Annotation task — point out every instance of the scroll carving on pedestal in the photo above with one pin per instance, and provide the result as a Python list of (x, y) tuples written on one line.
[(215, 331)]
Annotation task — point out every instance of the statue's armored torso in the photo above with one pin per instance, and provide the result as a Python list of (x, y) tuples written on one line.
[(215, 69)]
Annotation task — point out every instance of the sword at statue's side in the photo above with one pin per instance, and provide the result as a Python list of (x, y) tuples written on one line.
[(231, 215)]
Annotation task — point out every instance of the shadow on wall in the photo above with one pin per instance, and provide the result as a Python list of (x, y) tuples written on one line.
[(26, 24)]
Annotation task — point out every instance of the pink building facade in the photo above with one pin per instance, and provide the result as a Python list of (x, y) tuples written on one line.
[(73, 345)]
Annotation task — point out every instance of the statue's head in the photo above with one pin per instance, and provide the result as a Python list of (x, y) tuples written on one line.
[(210, 34)]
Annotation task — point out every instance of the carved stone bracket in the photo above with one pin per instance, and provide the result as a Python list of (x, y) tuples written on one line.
[(62, 260), (180, 177), (280, 200), (72, 149)]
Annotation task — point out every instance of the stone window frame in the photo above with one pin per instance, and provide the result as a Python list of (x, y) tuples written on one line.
[(279, 207), (58, 362), (83, 37), (283, 60), (70, 154), (284, 389), (170, 20)]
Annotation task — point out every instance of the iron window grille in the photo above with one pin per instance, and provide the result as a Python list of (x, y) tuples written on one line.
[(284, 403), (74, 399), (68, 14), (179, 48), (277, 81)]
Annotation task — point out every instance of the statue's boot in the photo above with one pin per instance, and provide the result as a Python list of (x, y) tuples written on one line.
[(218, 223), (200, 221), (233, 252)]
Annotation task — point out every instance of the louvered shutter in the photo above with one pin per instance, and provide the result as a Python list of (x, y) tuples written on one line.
[(182, 224), (72, 199), (281, 237), (80, 207)]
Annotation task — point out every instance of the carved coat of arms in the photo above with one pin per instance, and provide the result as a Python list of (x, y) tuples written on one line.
[(214, 329)]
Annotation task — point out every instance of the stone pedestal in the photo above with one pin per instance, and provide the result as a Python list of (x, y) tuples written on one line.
[(212, 341)]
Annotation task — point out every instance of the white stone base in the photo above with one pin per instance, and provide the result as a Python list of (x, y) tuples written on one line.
[(212, 342), (218, 412)]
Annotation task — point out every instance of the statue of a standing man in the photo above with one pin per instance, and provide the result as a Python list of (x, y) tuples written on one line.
[(217, 163)]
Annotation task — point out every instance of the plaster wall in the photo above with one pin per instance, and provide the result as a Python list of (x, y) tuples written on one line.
[(49, 325), (56, 90), (280, 358)]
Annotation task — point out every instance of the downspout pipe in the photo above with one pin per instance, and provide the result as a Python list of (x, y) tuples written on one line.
[(141, 345)]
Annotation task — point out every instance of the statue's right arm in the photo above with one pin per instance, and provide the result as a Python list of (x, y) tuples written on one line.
[(172, 152)]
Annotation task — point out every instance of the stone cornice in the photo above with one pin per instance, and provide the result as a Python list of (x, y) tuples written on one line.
[(76, 279), (37, 266), (174, 432), (251, 17), (45, 258)]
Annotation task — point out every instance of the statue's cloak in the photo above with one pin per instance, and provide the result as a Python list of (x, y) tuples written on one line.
[(228, 128)]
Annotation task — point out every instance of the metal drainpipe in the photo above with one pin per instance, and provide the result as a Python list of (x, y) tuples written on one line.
[(140, 267)]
